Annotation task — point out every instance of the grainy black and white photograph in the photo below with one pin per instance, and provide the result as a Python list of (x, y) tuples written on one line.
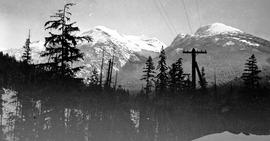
[(134, 70)]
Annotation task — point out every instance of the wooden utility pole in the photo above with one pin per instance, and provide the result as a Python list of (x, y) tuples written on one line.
[(194, 65)]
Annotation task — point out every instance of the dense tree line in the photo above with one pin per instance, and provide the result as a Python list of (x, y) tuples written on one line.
[(169, 80)]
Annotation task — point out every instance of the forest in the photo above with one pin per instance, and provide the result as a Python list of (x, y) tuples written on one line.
[(49, 103)]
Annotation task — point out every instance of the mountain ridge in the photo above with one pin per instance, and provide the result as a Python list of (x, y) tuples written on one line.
[(227, 49)]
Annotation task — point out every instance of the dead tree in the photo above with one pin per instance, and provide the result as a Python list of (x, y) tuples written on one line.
[(101, 68)]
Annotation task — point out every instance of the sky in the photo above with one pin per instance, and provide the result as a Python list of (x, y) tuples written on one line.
[(163, 19)]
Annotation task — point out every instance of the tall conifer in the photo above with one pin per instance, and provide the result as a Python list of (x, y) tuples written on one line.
[(162, 76), (251, 75), (26, 57), (61, 46), (148, 75), (176, 75)]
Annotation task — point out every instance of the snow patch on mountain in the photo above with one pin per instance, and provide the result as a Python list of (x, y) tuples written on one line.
[(247, 42), (139, 43), (179, 50), (133, 43), (229, 43), (215, 29)]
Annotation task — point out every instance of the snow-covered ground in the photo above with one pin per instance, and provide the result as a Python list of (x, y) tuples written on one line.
[(227, 136)]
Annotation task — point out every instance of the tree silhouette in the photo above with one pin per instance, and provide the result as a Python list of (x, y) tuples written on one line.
[(94, 78), (148, 75), (176, 76), (108, 79), (61, 46), (2, 135), (162, 76), (26, 57), (250, 76), (203, 82)]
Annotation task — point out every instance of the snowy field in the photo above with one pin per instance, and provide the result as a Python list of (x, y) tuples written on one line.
[(227, 136)]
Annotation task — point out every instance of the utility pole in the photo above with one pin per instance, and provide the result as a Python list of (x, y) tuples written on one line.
[(194, 65)]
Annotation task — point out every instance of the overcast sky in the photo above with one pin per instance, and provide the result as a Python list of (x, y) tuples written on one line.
[(154, 18)]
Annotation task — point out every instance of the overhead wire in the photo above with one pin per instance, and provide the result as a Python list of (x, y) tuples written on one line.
[(187, 17), (162, 10), (163, 16), (198, 11), (167, 16)]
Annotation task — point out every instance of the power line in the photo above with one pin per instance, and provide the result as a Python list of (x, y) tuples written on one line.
[(166, 14), (187, 17), (163, 16), (198, 11)]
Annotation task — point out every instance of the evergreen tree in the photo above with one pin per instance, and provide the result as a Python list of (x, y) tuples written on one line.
[(250, 76), (26, 57), (94, 78), (176, 81), (162, 76), (203, 82), (148, 75), (61, 46)]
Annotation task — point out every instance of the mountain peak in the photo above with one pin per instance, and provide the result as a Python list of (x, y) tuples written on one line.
[(217, 28), (131, 42)]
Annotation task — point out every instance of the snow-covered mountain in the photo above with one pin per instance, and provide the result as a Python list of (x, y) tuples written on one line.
[(227, 47), (217, 28), (133, 43), (125, 48)]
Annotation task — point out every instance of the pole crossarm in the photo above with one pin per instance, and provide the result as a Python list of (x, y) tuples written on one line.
[(194, 64), (195, 51)]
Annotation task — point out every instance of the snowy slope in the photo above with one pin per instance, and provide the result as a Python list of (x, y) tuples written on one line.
[(217, 28), (133, 43), (226, 136), (227, 47), (125, 48)]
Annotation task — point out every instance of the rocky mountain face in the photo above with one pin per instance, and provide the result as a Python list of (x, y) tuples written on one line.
[(227, 49), (126, 49)]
